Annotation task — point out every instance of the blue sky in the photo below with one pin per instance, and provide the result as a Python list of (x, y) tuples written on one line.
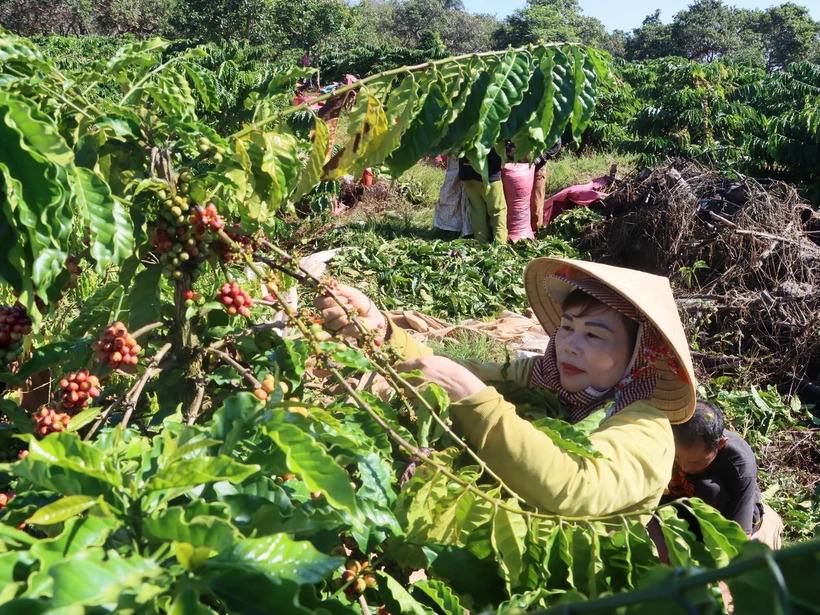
[(625, 15)]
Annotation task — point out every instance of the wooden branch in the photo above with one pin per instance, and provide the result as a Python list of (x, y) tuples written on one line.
[(193, 411), (363, 605)]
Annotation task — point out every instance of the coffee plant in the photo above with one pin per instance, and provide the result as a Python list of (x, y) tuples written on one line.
[(218, 464)]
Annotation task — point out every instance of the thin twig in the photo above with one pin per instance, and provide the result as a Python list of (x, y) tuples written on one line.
[(245, 372), (146, 328), (130, 394), (150, 371)]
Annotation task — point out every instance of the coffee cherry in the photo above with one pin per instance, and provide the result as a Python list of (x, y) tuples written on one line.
[(269, 384), (48, 420), (78, 389), (353, 566), (5, 498), (116, 347), (261, 394), (207, 217), (191, 297), (14, 326), (235, 299)]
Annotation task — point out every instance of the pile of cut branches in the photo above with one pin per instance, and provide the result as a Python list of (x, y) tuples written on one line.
[(744, 259)]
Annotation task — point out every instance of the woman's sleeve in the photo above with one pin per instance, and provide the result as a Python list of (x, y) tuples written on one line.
[(636, 444), (507, 377)]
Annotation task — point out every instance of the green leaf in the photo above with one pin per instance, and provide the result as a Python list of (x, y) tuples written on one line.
[(45, 357), (567, 437), (560, 560), (377, 478), (347, 356), (368, 123), (204, 85), (144, 299), (177, 524), (398, 600), (34, 161), (428, 126), (63, 463), (290, 356), (564, 95), (586, 78), (312, 172), (83, 418), (465, 126), (234, 419), (186, 602), (676, 536), (508, 532), (191, 472), (756, 590), (281, 166), (61, 510), (442, 596), (723, 538), (277, 557), (19, 417), (112, 232), (13, 537), (522, 113), (97, 311), (113, 575), (506, 88), (400, 109), (309, 460), (191, 557)]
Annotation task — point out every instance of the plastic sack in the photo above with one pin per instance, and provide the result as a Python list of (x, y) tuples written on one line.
[(517, 179)]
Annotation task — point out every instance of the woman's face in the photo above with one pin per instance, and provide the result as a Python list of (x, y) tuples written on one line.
[(592, 350)]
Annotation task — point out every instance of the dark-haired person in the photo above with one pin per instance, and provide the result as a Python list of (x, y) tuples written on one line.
[(616, 345), (719, 467)]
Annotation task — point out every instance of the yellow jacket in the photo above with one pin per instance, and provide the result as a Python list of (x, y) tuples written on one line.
[(637, 446)]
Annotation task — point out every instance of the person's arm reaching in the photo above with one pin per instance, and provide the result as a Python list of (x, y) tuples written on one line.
[(636, 445)]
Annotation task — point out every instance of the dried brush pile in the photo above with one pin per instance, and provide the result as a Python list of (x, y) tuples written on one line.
[(743, 256)]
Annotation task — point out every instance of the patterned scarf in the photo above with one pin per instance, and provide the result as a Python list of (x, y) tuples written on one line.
[(640, 377)]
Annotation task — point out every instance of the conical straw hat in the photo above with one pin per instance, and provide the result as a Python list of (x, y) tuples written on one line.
[(650, 294)]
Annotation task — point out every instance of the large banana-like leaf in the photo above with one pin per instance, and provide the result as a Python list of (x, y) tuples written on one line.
[(462, 106)]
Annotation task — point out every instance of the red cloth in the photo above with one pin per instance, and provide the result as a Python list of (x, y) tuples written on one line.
[(582, 194), (301, 98)]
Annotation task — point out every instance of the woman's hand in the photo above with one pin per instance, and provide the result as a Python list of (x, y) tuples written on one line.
[(335, 320), (457, 380)]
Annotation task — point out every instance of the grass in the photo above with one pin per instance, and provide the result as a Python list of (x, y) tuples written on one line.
[(470, 345), (429, 179), (570, 169)]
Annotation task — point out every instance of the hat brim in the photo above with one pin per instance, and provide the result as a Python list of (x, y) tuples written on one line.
[(651, 295)]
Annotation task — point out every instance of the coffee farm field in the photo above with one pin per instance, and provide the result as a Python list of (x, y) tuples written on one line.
[(179, 433)]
